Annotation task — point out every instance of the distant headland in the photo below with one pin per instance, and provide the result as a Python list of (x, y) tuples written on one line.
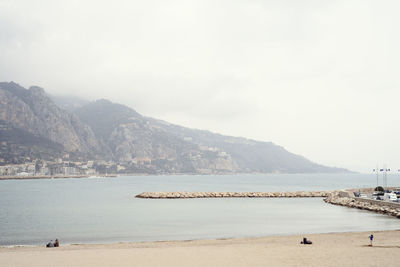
[(51, 136)]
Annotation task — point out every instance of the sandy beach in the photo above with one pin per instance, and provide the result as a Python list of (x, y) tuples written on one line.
[(334, 249)]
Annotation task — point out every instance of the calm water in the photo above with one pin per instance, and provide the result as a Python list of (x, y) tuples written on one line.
[(99, 210)]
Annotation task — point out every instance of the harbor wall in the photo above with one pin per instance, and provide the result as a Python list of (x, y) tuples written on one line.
[(379, 206), (378, 202)]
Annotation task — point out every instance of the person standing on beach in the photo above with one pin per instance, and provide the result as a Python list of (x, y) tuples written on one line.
[(371, 237)]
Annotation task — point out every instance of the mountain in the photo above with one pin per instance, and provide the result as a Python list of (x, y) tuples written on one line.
[(32, 111), (250, 155), (131, 135), (136, 141), (119, 139)]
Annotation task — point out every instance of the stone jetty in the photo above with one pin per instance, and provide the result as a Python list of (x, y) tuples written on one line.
[(344, 198), (173, 195)]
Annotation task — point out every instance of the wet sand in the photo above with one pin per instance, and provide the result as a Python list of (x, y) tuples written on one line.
[(335, 249)]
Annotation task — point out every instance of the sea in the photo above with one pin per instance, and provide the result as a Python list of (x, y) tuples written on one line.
[(105, 210)]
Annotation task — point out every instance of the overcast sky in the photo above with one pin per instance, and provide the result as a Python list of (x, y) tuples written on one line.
[(320, 78)]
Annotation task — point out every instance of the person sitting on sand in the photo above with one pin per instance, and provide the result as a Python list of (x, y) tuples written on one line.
[(56, 244), (305, 241), (50, 244)]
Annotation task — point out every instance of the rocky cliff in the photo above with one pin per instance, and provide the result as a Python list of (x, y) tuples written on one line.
[(34, 112)]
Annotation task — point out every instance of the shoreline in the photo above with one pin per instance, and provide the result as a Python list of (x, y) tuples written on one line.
[(328, 249), (29, 177), (183, 241), (149, 174)]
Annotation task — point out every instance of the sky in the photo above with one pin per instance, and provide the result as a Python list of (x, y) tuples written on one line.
[(320, 78)]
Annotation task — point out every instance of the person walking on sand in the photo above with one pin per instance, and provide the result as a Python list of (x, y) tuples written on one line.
[(371, 237)]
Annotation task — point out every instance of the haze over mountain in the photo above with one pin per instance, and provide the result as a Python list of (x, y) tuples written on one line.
[(69, 103), (33, 126), (319, 78)]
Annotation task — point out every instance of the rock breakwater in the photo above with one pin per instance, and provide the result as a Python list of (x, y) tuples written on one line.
[(172, 195), (339, 198), (342, 198)]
